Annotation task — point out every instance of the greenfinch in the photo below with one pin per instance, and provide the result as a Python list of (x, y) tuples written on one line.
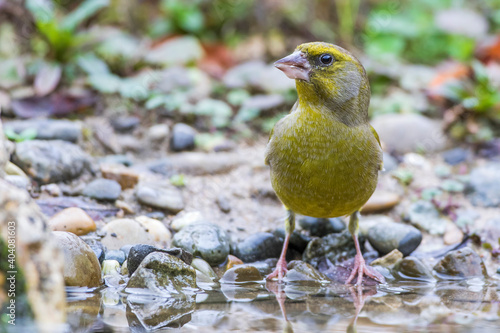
[(324, 156)]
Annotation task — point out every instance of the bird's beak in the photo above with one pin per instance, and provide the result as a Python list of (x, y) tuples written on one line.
[(295, 66)]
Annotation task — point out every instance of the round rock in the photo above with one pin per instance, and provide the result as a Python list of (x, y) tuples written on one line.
[(162, 197), (386, 237), (461, 264), (484, 184), (205, 240), (122, 232), (74, 220), (259, 246), (81, 267), (182, 137), (320, 227), (103, 189)]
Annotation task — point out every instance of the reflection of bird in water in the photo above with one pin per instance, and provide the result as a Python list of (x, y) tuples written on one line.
[(324, 156), (359, 296), (278, 290)]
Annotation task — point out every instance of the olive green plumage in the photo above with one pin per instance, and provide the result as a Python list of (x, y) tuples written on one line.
[(324, 156)]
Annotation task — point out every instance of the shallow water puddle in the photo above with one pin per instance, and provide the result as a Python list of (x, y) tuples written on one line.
[(410, 307)]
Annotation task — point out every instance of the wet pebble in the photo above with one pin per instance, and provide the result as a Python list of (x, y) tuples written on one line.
[(258, 246), (182, 220), (484, 185), (381, 200), (126, 177), (241, 274), (452, 234), (461, 264), (204, 267), (389, 260), (97, 247), (82, 267), (300, 271), (411, 268), (334, 247), (182, 137), (162, 197), (233, 261), (298, 240), (74, 220), (424, 215), (162, 274), (51, 161), (388, 236), (138, 252), (110, 267), (103, 189), (456, 155), (205, 240), (158, 133), (223, 203), (320, 227), (117, 255)]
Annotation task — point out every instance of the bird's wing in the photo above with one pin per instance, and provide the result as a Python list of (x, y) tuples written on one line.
[(375, 134)]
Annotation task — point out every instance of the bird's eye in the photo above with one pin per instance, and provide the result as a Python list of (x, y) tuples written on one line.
[(326, 59)]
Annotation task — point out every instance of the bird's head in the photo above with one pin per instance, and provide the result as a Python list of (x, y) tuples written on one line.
[(328, 75)]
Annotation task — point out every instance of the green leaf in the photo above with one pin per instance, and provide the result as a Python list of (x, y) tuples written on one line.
[(155, 102), (178, 180), (27, 134), (105, 83), (91, 64), (42, 10), (219, 111), (453, 186), (83, 12), (237, 96)]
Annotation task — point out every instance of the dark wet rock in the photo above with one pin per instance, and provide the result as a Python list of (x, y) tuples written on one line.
[(258, 246), (182, 137), (145, 315), (461, 264), (302, 272), (48, 129), (405, 133), (103, 189), (159, 196), (82, 267), (138, 252), (484, 185), (411, 268), (390, 162), (298, 240), (205, 240), (51, 161), (162, 274), (97, 247), (321, 227), (223, 203), (389, 260), (424, 215), (241, 274), (456, 155), (39, 262), (334, 247), (126, 249), (386, 237), (117, 255), (125, 124)]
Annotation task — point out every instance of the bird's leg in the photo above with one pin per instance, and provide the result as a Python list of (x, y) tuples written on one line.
[(360, 268), (281, 265)]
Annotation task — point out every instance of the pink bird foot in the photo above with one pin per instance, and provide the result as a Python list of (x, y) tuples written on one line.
[(360, 269), (279, 271)]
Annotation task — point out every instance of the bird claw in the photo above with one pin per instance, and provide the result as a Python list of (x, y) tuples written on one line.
[(279, 271), (360, 268)]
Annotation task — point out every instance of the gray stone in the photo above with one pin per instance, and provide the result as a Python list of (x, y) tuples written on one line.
[(182, 137), (97, 247), (162, 274), (298, 240), (424, 215), (117, 255), (263, 102), (390, 163), (244, 75), (18, 181), (138, 252), (411, 268), (103, 189), (51, 161), (386, 237), (162, 197), (461, 264), (205, 240), (125, 124), (259, 246), (48, 129), (321, 227), (241, 274), (40, 289), (82, 267), (484, 185), (405, 133), (456, 155), (303, 272), (452, 20), (334, 247)]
